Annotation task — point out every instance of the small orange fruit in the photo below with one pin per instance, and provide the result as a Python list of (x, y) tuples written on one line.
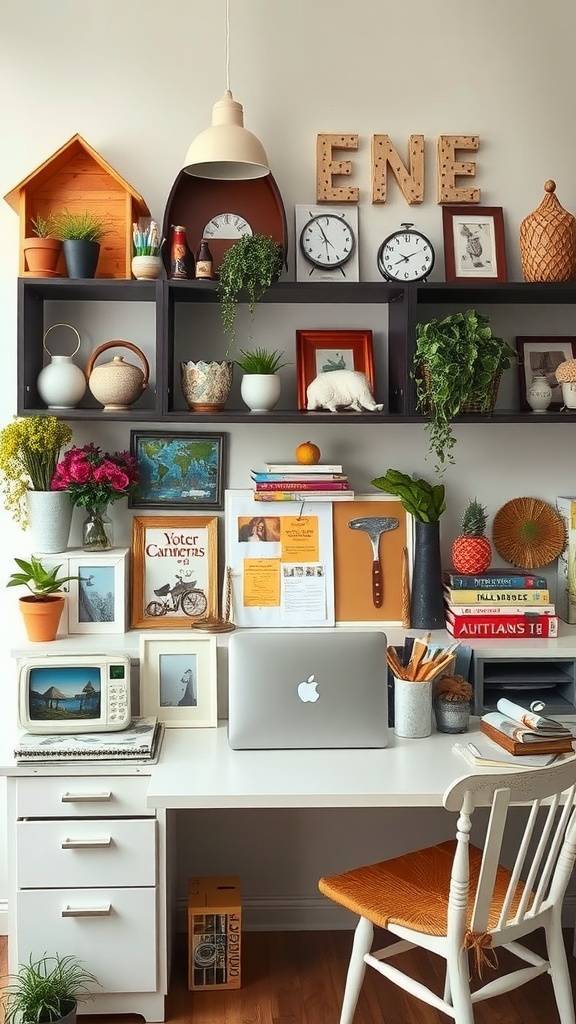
[(307, 454)]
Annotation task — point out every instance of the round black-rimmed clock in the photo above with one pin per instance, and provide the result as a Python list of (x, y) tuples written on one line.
[(327, 240), (406, 255)]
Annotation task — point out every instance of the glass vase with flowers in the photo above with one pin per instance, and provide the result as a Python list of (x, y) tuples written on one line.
[(95, 479)]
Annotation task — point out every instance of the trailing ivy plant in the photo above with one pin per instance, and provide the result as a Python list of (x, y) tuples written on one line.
[(421, 499), (462, 357), (249, 266)]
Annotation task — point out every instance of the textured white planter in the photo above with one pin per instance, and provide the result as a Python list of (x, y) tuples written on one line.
[(146, 268), (569, 394), (260, 391), (50, 515)]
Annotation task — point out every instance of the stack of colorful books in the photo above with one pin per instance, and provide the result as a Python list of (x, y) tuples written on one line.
[(499, 603), (285, 482), (521, 732)]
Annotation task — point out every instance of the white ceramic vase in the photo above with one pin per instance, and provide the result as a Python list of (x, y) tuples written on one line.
[(569, 394), (260, 391), (539, 393), (412, 708), (50, 515)]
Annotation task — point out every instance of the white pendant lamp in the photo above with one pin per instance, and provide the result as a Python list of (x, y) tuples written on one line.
[(227, 151)]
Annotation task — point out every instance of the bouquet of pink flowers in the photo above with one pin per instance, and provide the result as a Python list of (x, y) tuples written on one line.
[(94, 478)]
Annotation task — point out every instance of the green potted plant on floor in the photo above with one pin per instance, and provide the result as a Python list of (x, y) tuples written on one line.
[(45, 990), (80, 233), (260, 386), (458, 364), (42, 608), (42, 249)]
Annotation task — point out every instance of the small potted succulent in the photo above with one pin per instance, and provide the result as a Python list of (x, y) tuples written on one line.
[(46, 990), (42, 608), (260, 386), (80, 234), (42, 249), (565, 374), (452, 703)]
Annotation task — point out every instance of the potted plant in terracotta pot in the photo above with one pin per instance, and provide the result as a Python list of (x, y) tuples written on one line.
[(30, 447), (46, 990), (43, 607), (42, 249), (260, 386), (80, 234)]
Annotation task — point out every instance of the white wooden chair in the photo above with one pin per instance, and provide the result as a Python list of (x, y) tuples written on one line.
[(453, 898)]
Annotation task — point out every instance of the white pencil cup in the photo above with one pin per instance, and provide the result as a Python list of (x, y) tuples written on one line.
[(412, 708)]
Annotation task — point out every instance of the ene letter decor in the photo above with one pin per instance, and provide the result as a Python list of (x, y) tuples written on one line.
[(178, 470), (178, 680), (474, 246), (322, 351), (175, 571), (540, 357)]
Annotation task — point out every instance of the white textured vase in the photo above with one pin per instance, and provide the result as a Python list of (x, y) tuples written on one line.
[(50, 515), (412, 708), (569, 394), (260, 391), (539, 393)]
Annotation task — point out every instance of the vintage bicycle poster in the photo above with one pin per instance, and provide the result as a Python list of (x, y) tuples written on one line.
[(175, 571)]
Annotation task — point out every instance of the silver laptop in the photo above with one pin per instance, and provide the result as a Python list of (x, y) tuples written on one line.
[(307, 690)]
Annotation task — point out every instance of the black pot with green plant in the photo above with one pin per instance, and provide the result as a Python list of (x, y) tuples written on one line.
[(425, 502), (46, 989), (80, 234), (457, 367), (249, 266)]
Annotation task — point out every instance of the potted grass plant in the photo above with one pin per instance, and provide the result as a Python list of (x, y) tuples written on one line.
[(80, 233), (42, 608), (260, 386), (458, 364), (42, 249), (46, 990)]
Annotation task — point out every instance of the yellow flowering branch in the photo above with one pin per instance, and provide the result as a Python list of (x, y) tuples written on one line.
[(29, 451)]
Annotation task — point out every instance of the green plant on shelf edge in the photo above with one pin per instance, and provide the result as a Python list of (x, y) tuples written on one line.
[(260, 360), (249, 266), (45, 989)]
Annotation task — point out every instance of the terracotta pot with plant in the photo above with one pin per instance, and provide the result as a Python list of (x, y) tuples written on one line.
[(46, 990), (458, 364), (30, 447), (42, 249), (43, 607), (80, 234)]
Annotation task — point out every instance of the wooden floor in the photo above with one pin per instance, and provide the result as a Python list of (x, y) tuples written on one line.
[(297, 978)]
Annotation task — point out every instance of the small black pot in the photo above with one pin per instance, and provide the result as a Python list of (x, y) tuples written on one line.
[(81, 257)]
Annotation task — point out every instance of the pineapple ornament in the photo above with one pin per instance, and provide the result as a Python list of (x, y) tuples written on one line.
[(472, 551)]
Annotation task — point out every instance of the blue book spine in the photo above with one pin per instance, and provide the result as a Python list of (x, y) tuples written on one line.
[(507, 581)]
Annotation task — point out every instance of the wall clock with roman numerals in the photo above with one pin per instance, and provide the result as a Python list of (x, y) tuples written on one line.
[(406, 255), (326, 243), (223, 211)]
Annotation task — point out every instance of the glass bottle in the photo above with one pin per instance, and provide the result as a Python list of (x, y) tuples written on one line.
[(178, 260), (204, 264), (97, 530)]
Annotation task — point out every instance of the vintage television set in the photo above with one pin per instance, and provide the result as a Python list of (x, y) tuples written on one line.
[(74, 694)]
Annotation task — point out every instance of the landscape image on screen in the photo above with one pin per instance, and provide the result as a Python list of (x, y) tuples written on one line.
[(57, 694)]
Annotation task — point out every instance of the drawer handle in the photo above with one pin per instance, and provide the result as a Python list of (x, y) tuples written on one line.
[(86, 844), (103, 911), (84, 798)]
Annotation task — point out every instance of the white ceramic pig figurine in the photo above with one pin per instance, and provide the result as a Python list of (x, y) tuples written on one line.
[(337, 389)]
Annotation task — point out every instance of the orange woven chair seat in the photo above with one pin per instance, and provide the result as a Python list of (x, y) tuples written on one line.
[(412, 890)]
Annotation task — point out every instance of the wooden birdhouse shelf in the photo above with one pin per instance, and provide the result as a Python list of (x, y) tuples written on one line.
[(77, 178)]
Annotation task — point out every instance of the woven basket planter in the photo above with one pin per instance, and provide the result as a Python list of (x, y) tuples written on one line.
[(548, 241), (482, 408)]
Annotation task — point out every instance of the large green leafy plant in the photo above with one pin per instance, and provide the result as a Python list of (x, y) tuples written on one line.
[(41, 582), (249, 266), (455, 364), (421, 499)]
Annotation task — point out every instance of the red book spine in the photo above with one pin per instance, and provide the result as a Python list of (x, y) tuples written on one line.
[(301, 485), (520, 626)]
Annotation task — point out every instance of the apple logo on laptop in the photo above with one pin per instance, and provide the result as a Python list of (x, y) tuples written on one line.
[(307, 691)]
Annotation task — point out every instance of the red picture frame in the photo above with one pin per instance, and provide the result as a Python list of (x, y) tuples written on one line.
[(474, 243), (319, 351)]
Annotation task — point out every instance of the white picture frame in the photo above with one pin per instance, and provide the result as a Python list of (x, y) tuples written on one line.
[(98, 600), (178, 680)]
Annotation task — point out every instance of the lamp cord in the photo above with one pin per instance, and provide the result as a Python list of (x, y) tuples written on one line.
[(228, 45)]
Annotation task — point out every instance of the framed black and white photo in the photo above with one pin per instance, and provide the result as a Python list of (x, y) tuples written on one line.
[(178, 680), (541, 357), (181, 470), (98, 599), (474, 244)]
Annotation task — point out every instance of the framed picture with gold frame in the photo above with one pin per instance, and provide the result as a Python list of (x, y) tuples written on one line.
[(321, 351), (174, 571)]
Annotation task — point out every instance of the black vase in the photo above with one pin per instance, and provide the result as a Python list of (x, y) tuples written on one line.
[(81, 257), (426, 600)]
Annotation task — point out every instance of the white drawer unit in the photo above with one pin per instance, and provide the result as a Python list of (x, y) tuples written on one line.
[(88, 877)]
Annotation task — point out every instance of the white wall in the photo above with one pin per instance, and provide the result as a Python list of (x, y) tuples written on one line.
[(138, 80)]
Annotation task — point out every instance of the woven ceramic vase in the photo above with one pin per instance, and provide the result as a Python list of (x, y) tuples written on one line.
[(548, 241)]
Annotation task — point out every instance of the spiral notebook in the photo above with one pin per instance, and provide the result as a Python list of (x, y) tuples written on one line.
[(139, 744)]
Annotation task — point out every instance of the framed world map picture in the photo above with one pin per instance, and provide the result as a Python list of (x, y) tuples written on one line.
[(179, 470)]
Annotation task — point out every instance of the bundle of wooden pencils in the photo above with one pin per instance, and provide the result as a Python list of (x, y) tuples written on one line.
[(418, 662)]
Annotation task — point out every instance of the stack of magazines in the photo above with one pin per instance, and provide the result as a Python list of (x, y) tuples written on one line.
[(525, 731), (138, 744)]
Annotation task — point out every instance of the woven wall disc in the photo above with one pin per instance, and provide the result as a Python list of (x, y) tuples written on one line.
[(528, 533)]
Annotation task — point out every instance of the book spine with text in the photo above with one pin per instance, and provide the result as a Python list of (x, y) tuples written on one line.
[(303, 495), (497, 609), (487, 597), (302, 485), (525, 626), (507, 581), (263, 477), (286, 467)]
